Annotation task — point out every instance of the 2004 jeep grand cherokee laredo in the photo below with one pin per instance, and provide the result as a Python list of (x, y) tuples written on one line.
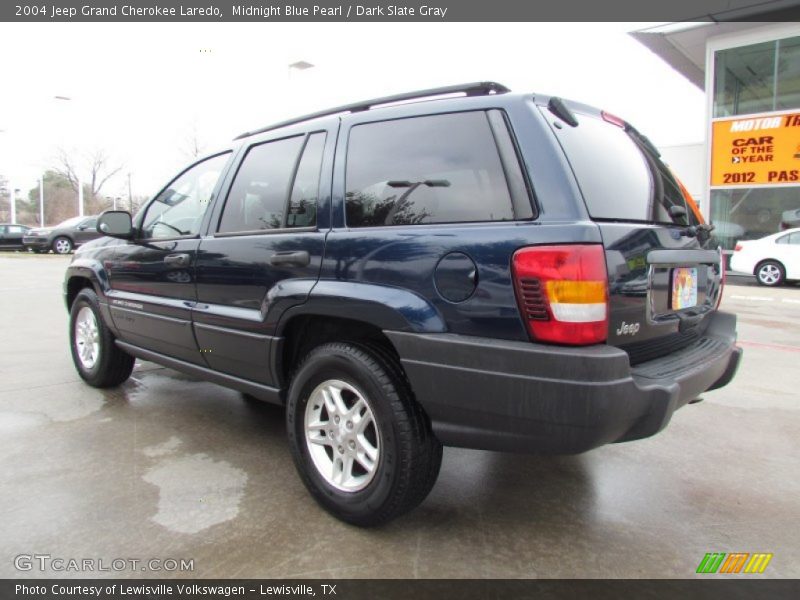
[(494, 270)]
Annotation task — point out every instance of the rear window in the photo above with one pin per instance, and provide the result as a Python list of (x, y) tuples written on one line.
[(621, 179)]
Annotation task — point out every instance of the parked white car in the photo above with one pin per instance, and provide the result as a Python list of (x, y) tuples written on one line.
[(773, 259)]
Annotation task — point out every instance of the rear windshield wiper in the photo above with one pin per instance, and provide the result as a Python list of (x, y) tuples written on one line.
[(702, 231)]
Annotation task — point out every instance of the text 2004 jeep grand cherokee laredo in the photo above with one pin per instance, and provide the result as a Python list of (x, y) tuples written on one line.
[(501, 271)]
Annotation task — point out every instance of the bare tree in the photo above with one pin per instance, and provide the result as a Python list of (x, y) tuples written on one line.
[(98, 168), (193, 147)]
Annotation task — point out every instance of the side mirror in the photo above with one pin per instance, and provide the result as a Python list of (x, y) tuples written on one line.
[(116, 223)]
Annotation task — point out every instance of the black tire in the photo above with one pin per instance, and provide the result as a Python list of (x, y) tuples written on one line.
[(770, 273), (62, 245), (410, 456), (112, 366)]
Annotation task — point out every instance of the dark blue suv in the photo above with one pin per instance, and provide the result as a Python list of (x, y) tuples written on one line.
[(503, 271)]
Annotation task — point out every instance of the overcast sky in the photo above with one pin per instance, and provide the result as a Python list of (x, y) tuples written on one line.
[(139, 91)]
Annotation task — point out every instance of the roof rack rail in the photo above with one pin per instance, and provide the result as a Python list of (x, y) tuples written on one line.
[(478, 88)]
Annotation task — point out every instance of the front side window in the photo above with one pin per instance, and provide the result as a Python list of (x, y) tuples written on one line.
[(432, 169), (89, 223), (178, 210)]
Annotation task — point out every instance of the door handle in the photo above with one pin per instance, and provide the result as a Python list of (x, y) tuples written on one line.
[(177, 260), (290, 259)]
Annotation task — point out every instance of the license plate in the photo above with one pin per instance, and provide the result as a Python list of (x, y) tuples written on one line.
[(684, 287)]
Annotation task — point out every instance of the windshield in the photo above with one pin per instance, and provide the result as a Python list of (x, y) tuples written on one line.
[(621, 176)]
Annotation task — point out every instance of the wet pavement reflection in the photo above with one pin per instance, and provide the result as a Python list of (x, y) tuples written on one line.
[(169, 467)]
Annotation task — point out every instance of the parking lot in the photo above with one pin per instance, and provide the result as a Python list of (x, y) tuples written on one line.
[(166, 467)]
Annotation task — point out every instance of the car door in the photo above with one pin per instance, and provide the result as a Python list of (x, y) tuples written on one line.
[(15, 234), (152, 277), (789, 254), (269, 232), (5, 241), (86, 231)]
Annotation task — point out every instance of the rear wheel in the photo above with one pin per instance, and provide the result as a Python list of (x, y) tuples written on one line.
[(362, 446), (98, 360), (62, 245), (770, 273)]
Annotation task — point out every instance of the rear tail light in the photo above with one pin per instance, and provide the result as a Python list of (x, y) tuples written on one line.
[(737, 248), (562, 292)]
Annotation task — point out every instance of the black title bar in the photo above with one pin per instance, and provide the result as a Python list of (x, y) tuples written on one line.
[(399, 10), (371, 589)]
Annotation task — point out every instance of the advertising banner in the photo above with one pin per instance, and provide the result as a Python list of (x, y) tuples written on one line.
[(757, 150)]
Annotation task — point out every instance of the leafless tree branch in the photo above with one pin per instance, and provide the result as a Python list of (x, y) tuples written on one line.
[(96, 166)]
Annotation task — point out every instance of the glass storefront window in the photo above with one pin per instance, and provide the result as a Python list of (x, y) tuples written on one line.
[(744, 80), (752, 79), (748, 214), (788, 96), (757, 78)]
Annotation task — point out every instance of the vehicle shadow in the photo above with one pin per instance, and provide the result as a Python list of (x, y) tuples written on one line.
[(510, 490)]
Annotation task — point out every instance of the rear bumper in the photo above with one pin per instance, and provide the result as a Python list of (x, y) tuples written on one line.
[(524, 397)]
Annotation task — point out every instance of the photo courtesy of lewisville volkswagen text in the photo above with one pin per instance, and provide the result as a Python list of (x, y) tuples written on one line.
[(390, 299)]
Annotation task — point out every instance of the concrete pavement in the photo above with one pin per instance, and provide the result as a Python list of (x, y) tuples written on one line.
[(166, 467)]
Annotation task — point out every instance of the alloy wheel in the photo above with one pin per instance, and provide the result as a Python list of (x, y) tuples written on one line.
[(87, 337), (342, 435), (63, 246), (769, 274)]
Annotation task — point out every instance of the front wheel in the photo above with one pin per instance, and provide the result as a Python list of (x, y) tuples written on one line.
[(98, 360), (62, 245), (361, 444), (770, 273)]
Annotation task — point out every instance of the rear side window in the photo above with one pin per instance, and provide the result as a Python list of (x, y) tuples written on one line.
[(305, 191), (792, 238), (257, 199), (276, 187), (432, 169), (620, 179)]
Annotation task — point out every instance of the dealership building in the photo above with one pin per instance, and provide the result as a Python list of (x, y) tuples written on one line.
[(746, 175)]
